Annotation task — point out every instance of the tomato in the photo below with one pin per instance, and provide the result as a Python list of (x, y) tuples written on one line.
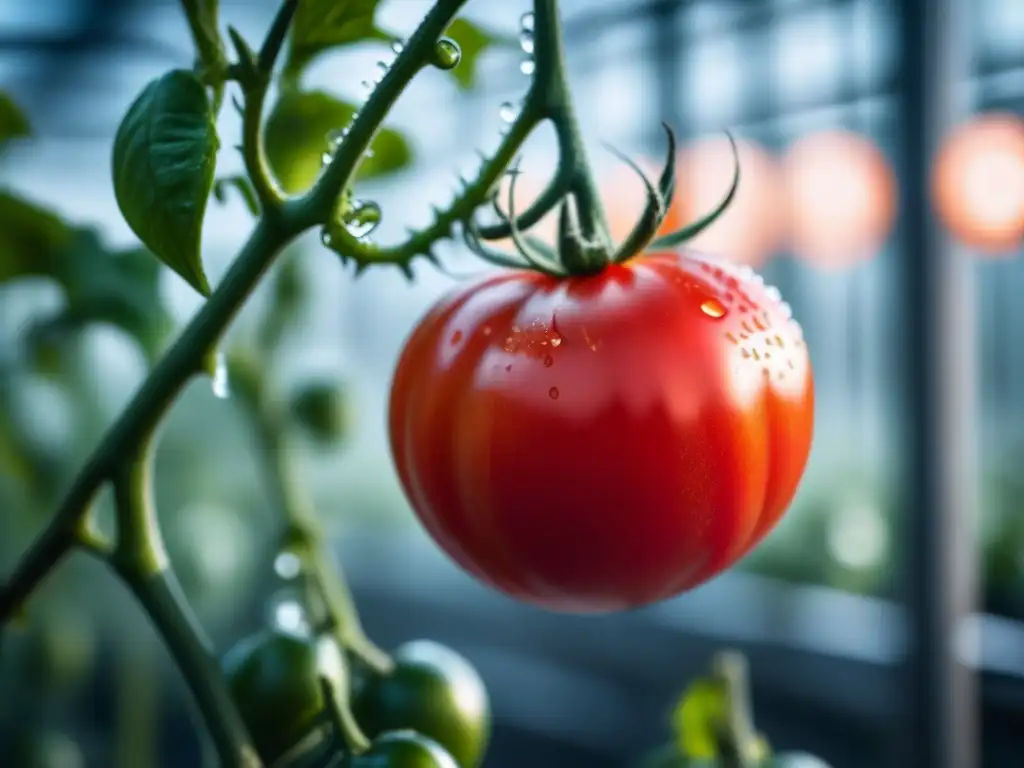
[(402, 749), (433, 691), (275, 682), (593, 444)]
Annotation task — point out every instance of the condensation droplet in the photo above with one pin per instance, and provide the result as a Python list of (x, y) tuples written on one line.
[(713, 308), (325, 238), (326, 157), (362, 218), (553, 393), (447, 54), (508, 112), (556, 340), (287, 565), (220, 385), (397, 46), (548, 361), (528, 66), (526, 22), (368, 153), (526, 40)]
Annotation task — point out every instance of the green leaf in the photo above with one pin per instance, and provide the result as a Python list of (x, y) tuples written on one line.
[(698, 716), (121, 288), (14, 123), (164, 157), (296, 139), (320, 25), (31, 238), (473, 41)]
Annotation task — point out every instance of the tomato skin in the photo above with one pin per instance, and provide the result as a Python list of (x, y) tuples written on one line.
[(274, 678), (433, 691), (599, 443)]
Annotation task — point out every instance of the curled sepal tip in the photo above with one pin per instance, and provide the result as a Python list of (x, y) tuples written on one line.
[(690, 232), (654, 211)]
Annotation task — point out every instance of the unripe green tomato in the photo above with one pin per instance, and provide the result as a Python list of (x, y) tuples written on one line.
[(403, 749), (322, 410), (433, 691), (274, 679)]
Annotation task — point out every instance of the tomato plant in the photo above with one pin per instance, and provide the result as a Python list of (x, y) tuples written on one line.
[(601, 425), (602, 442)]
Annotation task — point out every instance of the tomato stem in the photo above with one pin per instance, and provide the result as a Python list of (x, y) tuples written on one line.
[(302, 534), (736, 735), (140, 559)]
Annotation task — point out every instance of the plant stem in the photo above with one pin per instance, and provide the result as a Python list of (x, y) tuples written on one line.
[(317, 206), (302, 530), (141, 561), (147, 407), (550, 97)]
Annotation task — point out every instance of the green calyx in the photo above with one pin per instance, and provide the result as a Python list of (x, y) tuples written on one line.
[(576, 254)]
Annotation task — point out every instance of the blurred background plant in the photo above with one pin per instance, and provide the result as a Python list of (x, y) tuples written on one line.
[(820, 156)]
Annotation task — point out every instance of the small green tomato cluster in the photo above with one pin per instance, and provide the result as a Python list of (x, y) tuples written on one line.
[(429, 710)]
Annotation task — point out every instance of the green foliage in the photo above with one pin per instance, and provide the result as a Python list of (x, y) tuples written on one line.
[(296, 139), (31, 238), (14, 123), (697, 716), (321, 409), (320, 25), (164, 157)]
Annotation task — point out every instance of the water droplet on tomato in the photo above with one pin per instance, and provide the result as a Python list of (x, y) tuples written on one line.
[(287, 565), (548, 361), (456, 337), (556, 340), (553, 393), (528, 66), (486, 330), (713, 308), (220, 385)]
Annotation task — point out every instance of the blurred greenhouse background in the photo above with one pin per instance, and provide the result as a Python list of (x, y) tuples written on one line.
[(811, 88)]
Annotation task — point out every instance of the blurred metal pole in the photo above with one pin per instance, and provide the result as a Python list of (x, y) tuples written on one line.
[(937, 320)]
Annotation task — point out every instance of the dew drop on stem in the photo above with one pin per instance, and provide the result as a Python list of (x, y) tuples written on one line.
[(447, 54), (287, 565), (397, 47), (527, 66), (526, 41), (325, 238), (220, 385), (526, 22), (362, 218), (508, 112), (382, 70), (287, 614)]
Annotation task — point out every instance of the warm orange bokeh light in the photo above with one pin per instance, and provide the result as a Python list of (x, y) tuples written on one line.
[(750, 229), (625, 196), (978, 183), (840, 196)]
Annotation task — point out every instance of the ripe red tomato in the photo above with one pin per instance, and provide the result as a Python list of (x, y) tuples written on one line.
[(594, 444)]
